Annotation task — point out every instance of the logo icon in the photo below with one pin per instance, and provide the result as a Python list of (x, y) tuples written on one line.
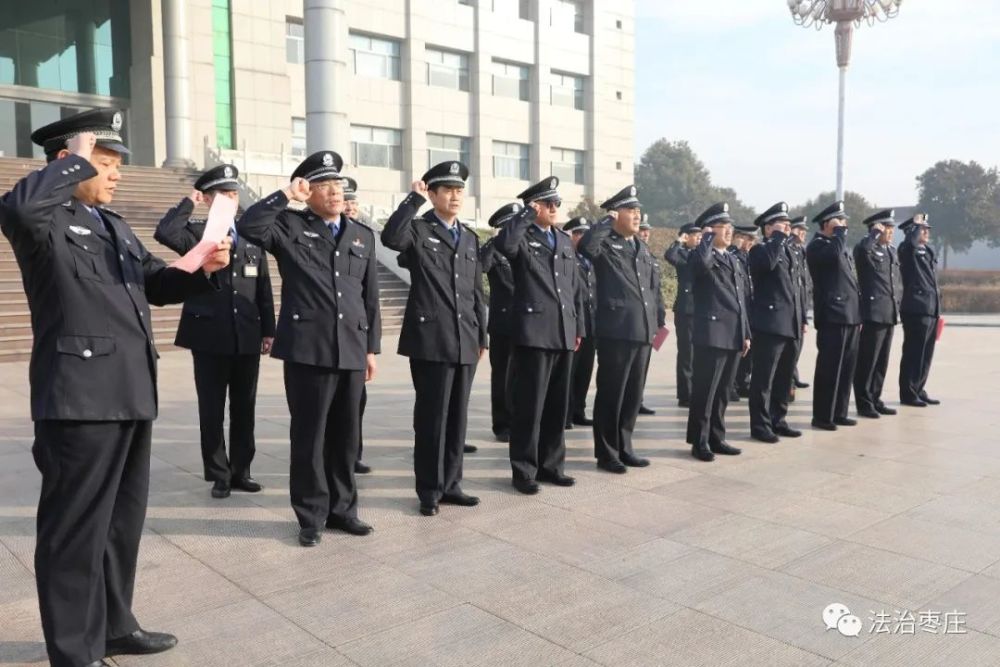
[(327, 160), (116, 121), (632, 191), (553, 183), (453, 169), (227, 172), (838, 617)]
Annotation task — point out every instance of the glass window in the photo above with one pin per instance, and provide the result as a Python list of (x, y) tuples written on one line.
[(444, 148), (510, 160), (567, 165), (375, 57), (511, 80), (295, 41), (567, 15), (299, 137), (223, 60), (447, 69), (376, 147), (567, 90)]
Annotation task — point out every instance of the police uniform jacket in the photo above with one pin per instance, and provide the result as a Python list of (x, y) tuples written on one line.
[(777, 288), (234, 319), (805, 280), (626, 302), (744, 259), (720, 308), (678, 256), (586, 285), (545, 292), (445, 318), (921, 295), (89, 288), (501, 278), (877, 275), (835, 287), (329, 288)]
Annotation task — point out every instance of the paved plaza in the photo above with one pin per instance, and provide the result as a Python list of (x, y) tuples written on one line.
[(682, 563)]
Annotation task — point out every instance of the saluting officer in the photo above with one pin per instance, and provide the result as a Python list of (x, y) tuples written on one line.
[(625, 326), (89, 283), (837, 314), (877, 264), (329, 331), (920, 310), (547, 327), (744, 237), (678, 255), (444, 327), (645, 232), (721, 332), (226, 331), (583, 357), (500, 327), (797, 243), (776, 319)]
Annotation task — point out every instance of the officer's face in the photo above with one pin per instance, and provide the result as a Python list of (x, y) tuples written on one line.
[(693, 239), (776, 227), (547, 212), (925, 235), (326, 199), (575, 238), (101, 188), (800, 234), (229, 194), (885, 238), (644, 235), (723, 236), (447, 199), (351, 208), (628, 221)]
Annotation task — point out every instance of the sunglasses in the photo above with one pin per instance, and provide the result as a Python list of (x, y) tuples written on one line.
[(551, 204)]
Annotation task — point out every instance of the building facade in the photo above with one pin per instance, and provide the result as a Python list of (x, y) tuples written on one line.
[(517, 89)]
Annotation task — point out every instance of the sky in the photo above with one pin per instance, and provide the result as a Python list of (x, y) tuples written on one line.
[(756, 96)]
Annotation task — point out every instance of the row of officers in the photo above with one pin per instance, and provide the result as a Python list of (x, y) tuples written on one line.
[(559, 298)]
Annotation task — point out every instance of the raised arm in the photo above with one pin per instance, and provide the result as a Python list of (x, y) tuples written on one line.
[(677, 255), (590, 245), (173, 230), (702, 258), (764, 257), (262, 225), (508, 241), (398, 231)]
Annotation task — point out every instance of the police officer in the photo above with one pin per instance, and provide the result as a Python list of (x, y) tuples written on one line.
[(797, 243), (678, 255), (226, 331), (721, 332), (877, 264), (583, 358), (444, 327), (645, 233), (89, 283), (501, 278), (920, 310), (776, 319), (625, 327), (329, 331), (744, 237), (835, 305)]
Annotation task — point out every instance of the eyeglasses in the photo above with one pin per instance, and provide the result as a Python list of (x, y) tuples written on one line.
[(551, 204), (324, 186)]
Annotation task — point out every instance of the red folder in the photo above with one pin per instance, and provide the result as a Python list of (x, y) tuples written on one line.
[(661, 335), (940, 328)]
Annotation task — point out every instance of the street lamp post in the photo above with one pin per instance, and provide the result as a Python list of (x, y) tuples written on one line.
[(846, 14)]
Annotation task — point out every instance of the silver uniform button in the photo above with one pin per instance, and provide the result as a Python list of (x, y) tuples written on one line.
[(295, 316), (87, 354), (336, 253), (340, 316), (336, 273), (421, 318), (234, 310)]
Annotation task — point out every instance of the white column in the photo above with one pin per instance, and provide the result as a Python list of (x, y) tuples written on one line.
[(176, 83), (326, 37)]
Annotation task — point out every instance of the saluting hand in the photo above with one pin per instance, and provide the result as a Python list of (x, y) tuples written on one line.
[(298, 190), (420, 188), (82, 144), (196, 197), (220, 258)]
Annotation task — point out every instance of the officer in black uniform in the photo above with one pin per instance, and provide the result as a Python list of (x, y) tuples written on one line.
[(678, 255), (500, 328), (89, 283), (744, 237), (625, 327), (547, 326), (776, 319), (444, 327), (329, 331), (835, 305), (583, 358), (721, 332), (920, 310), (797, 243), (878, 265), (645, 232), (226, 331)]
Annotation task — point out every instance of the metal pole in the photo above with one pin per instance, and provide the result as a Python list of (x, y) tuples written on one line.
[(326, 37), (176, 84), (840, 132)]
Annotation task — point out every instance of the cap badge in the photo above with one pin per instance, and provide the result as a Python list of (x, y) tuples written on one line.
[(227, 172), (515, 208), (725, 208), (453, 169), (784, 207), (116, 121), (327, 160), (631, 191), (552, 184)]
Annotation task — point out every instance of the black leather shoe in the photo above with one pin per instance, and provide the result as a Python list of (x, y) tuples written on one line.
[(684, 404), (556, 478), (428, 510), (568, 426), (787, 432), (928, 400), (220, 489), (845, 421), (361, 468), (349, 525), (870, 413), (459, 498), (702, 453), (633, 461), (502, 436), (140, 642), (769, 438), (309, 537), (801, 385), (824, 426), (614, 466), (581, 420), (528, 487), (248, 484), (725, 449), (469, 449), (885, 410), (643, 410), (916, 403)]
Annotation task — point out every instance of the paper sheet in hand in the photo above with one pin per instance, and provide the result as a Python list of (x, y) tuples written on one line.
[(661, 335), (220, 219)]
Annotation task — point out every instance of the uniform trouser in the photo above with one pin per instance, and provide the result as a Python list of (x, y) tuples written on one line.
[(714, 373), (583, 371), (361, 420), (324, 404), (621, 371), (214, 376), (919, 338), (538, 395), (499, 361), (771, 381), (799, 342), (440, 414), (837, 355), (744, 370), (685, 356), (95, 484), (873, 361)]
